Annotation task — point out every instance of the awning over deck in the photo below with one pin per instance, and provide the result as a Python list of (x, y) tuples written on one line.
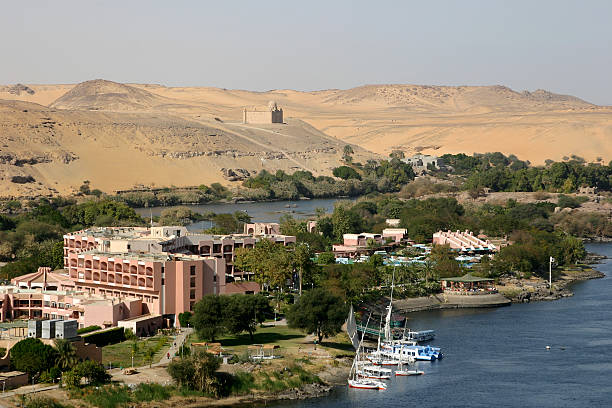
[(467, 278)]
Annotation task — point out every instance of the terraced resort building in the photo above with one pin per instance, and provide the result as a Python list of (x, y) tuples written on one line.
[(120, 273)]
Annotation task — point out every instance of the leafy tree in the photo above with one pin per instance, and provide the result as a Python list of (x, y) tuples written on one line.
[(345, 221), (243, 312), (150, 353), (197, 372), (92, 371), (349, 281), (184, 318), (445, 265), (318, 311), (303, 263), (271, 263), (207, 317), (347, 153), (32, 356), (346, 173), (182, 371), (326, 258)]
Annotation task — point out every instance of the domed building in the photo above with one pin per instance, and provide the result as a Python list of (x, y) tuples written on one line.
[(273, 114)]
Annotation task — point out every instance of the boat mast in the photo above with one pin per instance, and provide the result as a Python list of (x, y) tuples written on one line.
[(354, 366), (388, 335)]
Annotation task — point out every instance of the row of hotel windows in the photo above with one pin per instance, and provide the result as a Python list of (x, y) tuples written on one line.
[(144, 298), (118, 266)]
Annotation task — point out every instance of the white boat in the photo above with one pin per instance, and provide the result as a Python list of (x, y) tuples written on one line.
[(405, 352), (420, 336), (375, 372), (366, 384), (408, 372), (357, 378)]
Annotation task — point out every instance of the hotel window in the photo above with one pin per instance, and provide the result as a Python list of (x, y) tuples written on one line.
[(191, 305), (67, 305), (46, 303), (163, 281), (192, 294), (192, 270), (192, 282)]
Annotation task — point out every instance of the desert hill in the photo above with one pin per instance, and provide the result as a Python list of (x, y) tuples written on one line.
[(108, 96), (50, 151), (121, 135)]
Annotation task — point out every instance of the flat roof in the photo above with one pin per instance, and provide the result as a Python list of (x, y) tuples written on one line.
[(162, 256), (140, 318)]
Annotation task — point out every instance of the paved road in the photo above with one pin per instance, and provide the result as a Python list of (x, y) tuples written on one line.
[(27, 389), (175, 347)]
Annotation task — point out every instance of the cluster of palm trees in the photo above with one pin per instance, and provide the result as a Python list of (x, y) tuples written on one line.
[(66, 354)]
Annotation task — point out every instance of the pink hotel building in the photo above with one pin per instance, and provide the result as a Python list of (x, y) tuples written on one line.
[(165, 269)]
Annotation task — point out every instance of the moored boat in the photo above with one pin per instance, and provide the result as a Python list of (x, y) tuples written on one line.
[(367, 384)]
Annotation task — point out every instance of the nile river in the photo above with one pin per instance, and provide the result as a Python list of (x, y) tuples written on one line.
[(268, 211), (498, 357)]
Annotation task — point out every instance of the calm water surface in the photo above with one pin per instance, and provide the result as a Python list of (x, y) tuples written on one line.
[(260, 212), (497, 358)]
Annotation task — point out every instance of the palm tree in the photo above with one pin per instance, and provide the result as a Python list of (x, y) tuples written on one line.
[(66, 354)]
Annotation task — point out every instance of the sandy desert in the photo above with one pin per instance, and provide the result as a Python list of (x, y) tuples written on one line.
[(119, 136)]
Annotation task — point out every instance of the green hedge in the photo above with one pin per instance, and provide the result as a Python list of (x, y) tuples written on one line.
[(106, 337), (88, 329)]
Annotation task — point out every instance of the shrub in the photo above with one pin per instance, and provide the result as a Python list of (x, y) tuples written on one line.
[(345, 173), (106, 337), (109, 397), (151, 392), (43, 402), (541, 195), (88, 329), (571, 202)]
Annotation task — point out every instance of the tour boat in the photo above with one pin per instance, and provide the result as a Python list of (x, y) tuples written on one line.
[(375, 372), (420, 336), (404, 352)]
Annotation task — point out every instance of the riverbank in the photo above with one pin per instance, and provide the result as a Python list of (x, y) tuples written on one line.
[(535, 289)]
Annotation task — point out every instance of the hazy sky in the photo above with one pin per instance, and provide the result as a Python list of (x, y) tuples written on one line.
[(561, 46)]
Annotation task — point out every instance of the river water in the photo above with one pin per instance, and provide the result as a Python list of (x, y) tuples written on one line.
[(498, 357), (260, 212)]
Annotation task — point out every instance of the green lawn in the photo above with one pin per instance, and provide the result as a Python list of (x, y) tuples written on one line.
[(120, 354), (282, 336)]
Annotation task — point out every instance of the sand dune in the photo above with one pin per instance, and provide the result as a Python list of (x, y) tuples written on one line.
[(121, 135)]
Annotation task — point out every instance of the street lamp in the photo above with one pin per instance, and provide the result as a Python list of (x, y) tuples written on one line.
[(550, 262)]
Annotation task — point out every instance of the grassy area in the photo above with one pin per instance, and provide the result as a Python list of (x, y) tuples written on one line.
[(281, 336), (114, 396), (289, 340), (120, 354)]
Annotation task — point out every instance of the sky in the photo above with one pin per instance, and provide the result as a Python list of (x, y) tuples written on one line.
[(561, 46)]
